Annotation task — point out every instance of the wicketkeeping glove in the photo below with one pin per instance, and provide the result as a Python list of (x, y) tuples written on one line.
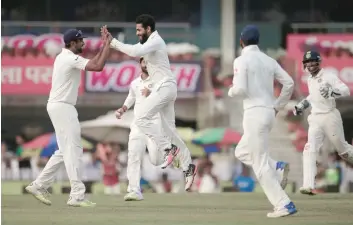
[(327, 91), (299, 109)]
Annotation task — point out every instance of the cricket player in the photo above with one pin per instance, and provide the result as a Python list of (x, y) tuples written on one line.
[(163, 95), (324, 120), (254, 75), (63, 114), (140, 89)]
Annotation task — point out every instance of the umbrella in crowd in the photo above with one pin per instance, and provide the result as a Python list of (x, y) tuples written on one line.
[(187, 135), (107, 128), (219, 136), (46, 144), (212, 139)]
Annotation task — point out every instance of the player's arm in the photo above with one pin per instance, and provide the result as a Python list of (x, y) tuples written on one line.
[(137, 50), (95, 64), (287, 87), (129, 101), (240, 80), (335, 88)]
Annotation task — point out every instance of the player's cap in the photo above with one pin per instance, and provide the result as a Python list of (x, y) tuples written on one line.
[(311, 56), (250, 33), (72, 35)]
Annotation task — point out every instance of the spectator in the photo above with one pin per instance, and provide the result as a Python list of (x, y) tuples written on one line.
[(244, 182)]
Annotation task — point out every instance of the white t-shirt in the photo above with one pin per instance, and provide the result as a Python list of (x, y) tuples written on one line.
[(66, 77)]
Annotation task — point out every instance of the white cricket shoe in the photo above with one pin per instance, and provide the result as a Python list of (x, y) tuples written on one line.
[(80, 203), (287, 210), (307, 191), (133, 196), (39, 193), (190, 176), (282, 169)]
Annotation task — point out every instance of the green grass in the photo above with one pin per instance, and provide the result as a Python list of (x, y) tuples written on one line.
[(177, 209)]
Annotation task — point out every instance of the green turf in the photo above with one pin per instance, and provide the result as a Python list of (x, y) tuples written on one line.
[(174, 209)]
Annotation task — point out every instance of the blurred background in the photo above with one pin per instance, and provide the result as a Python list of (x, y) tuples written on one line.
[(202, 38)]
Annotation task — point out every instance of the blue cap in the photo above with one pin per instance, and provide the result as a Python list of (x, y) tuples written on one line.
[(72, 35), (250, 33)]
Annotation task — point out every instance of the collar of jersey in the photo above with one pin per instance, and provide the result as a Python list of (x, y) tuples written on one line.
[(250, 48), (143, 80), (153, 34), (67, 51), (318, 75)]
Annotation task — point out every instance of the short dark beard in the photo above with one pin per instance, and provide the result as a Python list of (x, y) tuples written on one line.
[(144, 38)]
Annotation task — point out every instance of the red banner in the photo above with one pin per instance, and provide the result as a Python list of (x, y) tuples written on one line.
[(32, 76), (117, 77), (335, 50), (32, 41), (27, 76)]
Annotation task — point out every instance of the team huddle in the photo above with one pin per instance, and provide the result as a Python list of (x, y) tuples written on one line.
[(153, 96)]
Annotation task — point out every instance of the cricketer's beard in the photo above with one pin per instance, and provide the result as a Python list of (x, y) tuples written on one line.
[(144, 38)]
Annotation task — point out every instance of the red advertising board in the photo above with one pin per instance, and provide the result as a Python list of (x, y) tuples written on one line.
[(116, 77), (328, 45), (32, 76), (26, 76)]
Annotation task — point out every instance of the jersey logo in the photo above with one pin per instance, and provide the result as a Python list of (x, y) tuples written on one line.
[(76, 58), (319, 80)]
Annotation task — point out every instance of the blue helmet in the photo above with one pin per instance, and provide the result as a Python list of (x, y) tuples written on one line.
[(250, 34), (311, 56)]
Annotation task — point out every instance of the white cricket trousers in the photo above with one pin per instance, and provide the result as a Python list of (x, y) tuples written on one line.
[(138, 143), (327, 125), (162, 100), (68, 133), (253, 151)]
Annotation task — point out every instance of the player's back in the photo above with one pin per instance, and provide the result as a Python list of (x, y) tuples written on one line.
[(66, 78), (260, 72)]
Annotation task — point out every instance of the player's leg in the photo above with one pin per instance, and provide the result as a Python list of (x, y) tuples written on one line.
[(311, 149), (152, 105), (253, 150), (282, 170), (136, 148), (38, 188), (184, 156), (335, 133), (70, 137)]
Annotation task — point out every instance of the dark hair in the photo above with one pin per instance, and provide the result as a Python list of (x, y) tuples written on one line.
[(141, 59), (146, 21)]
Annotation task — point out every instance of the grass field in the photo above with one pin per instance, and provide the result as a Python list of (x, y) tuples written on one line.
[(174, 209)]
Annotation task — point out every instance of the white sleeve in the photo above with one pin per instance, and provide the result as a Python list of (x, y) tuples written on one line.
[(338, 87), (78, 62), (151, 45), (240, 80), (130, 99), (287, 87)]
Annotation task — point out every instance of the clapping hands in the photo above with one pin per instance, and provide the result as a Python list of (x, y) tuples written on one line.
[(105, 35)]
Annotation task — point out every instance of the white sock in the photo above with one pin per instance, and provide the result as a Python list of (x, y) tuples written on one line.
[(309, 169)]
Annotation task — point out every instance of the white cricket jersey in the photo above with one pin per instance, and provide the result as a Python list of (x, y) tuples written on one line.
[(318, 103), (66, 77), (254, 76), (154, 52), (135, 96)]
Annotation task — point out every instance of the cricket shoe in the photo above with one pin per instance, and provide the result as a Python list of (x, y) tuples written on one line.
[(307, 191), (80, 203), (133, 196), (282, 169), (190, 176), (169, 156), (287, 210), (39, 193)]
